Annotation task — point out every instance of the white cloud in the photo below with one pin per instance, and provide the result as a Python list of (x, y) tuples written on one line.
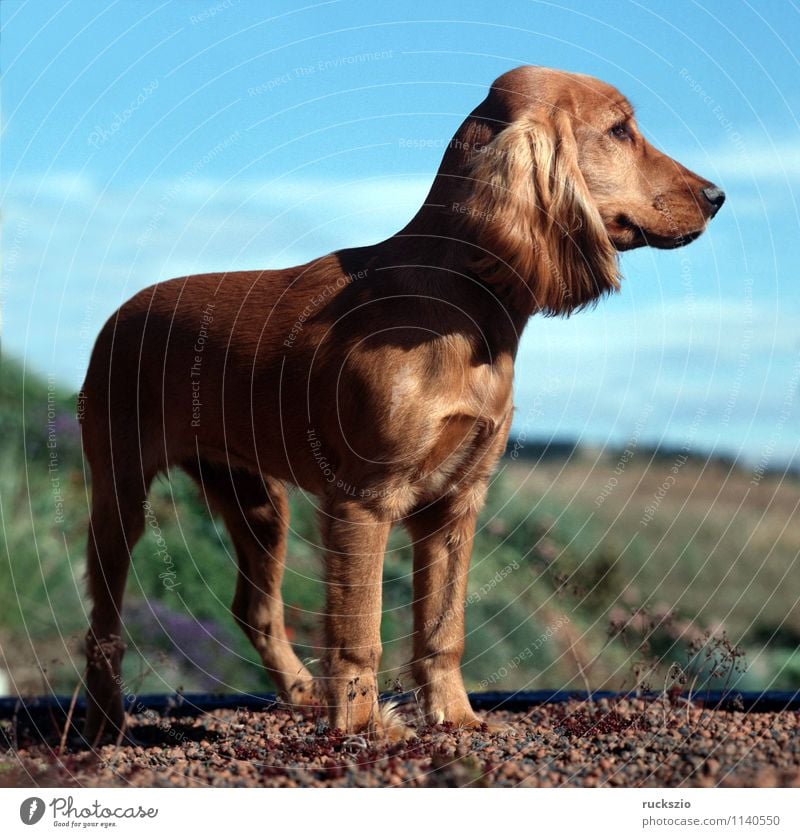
[(84, 247), (592, 376), (755, 159), (80, 254)]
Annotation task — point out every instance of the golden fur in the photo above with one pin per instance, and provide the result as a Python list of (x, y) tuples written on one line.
[(377, 378), (561, 247)]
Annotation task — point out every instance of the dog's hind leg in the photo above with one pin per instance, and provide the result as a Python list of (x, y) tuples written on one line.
[(256, 514), (117, 522)]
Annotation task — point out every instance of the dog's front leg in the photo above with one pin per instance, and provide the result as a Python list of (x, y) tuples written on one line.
[(442, 535), (355, 542)]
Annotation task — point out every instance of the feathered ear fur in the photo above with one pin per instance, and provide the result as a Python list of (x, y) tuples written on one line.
[(540, 235)]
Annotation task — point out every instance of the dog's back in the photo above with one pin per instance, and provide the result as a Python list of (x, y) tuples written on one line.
[(188, 365)]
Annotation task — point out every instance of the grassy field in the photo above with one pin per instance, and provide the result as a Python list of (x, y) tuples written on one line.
[(611, 569)]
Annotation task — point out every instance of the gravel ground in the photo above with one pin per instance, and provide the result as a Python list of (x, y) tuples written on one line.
[(624, 743)]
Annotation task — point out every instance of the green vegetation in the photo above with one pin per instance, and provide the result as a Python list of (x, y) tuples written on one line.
[(570, 582)]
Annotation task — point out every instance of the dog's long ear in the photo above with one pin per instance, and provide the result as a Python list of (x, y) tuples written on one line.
[(538, 232)]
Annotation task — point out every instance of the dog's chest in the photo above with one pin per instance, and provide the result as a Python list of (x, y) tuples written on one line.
[(452, 441), (455, 457)]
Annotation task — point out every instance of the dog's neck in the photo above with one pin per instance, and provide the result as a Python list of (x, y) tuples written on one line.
[(438, 236)]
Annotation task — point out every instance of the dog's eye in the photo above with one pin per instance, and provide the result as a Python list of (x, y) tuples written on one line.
[(620, 131)]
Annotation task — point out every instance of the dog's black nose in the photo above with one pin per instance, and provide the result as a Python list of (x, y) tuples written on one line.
[(715, 196)]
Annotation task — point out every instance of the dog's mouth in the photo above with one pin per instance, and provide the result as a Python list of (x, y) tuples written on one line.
[(628, 235), (669, 242)]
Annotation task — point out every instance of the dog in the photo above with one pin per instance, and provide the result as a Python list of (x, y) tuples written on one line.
[(377, 378)]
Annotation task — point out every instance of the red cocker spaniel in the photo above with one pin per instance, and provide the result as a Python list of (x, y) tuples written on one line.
[(377, 378)]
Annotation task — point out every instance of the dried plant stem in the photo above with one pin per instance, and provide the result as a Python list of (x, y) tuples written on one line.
[(70, 712)]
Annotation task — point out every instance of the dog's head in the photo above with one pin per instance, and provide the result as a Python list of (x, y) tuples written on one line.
[(557, 179)]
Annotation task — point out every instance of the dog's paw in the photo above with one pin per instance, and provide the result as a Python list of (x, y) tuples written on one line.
[(491, 727), (470, 721), (390, 726), (399, 732), (302, 694)]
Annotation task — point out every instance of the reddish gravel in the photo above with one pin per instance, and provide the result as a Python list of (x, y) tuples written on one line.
[(627, 743)]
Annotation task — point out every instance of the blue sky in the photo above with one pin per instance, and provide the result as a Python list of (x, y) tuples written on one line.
[(144, 140)]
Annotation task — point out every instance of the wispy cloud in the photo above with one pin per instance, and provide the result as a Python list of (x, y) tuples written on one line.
[(594, 376), (85, 248), (754, 159)]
